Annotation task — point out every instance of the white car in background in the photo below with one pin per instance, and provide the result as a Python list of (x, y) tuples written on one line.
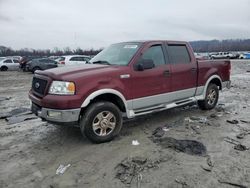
[(222, 55), (8, 64), (72, 60)]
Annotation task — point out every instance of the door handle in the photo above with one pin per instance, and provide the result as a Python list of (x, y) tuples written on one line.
[(166, 73), (193, 70)]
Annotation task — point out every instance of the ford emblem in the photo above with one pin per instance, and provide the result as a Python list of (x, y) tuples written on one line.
[(37, 85)]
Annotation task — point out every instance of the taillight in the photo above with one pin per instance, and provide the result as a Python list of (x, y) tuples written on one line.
[(62, 62)]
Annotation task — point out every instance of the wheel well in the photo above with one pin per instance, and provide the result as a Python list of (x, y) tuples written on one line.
[(110, 98), (2, 67), (217, 82), (35, 67)]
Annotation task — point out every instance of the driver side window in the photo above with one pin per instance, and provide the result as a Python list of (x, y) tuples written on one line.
[(154, 53)]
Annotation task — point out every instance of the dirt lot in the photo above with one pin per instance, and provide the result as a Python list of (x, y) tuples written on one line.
[(31, 151)]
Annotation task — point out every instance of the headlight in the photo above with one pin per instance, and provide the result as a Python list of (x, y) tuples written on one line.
[(62, 88)]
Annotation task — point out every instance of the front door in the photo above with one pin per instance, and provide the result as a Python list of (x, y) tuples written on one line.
[(150, 85)]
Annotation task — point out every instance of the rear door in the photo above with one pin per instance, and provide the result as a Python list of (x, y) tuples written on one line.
[(184, 70), (149, 86), (16, 64), (9, 63), (77, 60)]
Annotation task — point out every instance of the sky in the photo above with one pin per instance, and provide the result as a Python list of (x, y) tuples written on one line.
[(46, 24)]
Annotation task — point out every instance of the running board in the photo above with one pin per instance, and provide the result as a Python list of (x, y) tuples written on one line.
[(162, 107)]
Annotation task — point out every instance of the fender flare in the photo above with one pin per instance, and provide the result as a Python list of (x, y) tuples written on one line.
[(207, 83), (104, 91)]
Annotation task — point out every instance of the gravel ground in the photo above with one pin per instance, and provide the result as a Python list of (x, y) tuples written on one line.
[(182, 147)]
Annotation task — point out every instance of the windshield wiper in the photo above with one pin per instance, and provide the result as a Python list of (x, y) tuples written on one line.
[(101, 62)]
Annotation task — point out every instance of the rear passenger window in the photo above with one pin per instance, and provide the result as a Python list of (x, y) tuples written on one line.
[(8, 61), (154, 53), (74, 59), (179, 54)]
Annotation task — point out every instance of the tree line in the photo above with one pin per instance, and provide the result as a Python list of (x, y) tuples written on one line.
[(198, 46), (221, 46), (7, 51)]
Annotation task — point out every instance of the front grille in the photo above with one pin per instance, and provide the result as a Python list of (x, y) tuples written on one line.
[(39, 85)]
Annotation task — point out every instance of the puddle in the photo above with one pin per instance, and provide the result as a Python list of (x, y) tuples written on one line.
[(191, 147)]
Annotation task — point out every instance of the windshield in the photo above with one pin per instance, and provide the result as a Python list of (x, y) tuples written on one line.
[(116, 54)]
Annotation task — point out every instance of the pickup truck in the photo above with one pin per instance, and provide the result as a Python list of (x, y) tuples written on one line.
[(127, 79)]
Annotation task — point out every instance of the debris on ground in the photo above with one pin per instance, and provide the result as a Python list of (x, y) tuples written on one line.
[(209, 161), (61, 169), (19, 119), (17, 115), (181, 181), (232, 184), (4, 98), (240, 147), (237, 145), (191, 147), (209, 165), (196, 119), (160, 131), (244, 121), (234, 121), (135, 143), (206, 168), (231, 140), (196, 129), (220, 108), (242, 135), (131, 168), (216, 115), (15, 112)]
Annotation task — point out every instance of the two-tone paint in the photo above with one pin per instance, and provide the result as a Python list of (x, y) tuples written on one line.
[(135, 92)]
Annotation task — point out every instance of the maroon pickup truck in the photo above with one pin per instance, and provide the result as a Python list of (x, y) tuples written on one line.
[(127, 79)]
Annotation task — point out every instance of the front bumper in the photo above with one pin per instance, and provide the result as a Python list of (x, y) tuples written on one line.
[(62, 117)]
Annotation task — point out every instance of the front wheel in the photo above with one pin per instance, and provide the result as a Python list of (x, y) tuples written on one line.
[(101, 122), (211, 98)]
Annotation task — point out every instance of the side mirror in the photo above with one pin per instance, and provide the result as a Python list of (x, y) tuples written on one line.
[(144, 64)]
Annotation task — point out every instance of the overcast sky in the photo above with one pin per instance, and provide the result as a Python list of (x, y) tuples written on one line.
[(44, 24)]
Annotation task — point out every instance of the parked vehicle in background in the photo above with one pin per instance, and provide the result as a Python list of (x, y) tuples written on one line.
[(54, 57), (14, 57), (73, 60), (201, 56), (127, 79), (222, 55), (40, 64), (245, 55), (23, 62), (8, 64)]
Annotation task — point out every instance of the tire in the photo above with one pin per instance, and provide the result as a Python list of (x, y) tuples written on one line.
[(35, 68), (107, 119), (211, 99), (4, 68)]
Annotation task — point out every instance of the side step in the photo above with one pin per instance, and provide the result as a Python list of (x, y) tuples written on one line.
[(163, 107)]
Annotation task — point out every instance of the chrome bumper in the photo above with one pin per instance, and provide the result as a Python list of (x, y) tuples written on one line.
[(55, 115)]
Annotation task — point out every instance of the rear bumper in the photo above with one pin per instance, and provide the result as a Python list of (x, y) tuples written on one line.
[(61, 117), (226, 84)]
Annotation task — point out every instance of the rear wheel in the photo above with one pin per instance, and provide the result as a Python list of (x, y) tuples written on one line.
[(4, 68), (101, 122), (211, 99)]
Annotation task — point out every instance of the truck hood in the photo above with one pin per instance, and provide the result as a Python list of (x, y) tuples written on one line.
[(71, 72)]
